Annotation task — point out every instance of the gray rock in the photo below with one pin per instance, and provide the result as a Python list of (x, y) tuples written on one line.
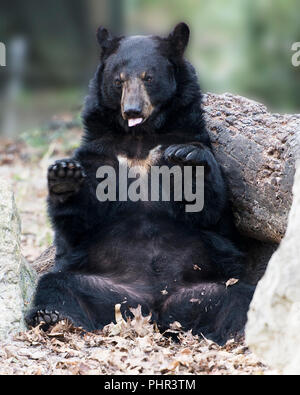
[(17, 278), (273, 328)]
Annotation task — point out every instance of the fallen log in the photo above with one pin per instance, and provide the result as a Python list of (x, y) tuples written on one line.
[(257, 151)]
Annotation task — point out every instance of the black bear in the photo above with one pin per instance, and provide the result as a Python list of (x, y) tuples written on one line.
[(143, 109)]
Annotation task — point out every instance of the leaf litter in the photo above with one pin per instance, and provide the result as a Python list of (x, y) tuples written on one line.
[(133, 346)]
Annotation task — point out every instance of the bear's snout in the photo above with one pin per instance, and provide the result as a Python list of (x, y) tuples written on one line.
[(136, 106)]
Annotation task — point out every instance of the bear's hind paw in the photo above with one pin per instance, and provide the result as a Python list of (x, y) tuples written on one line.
[(45, 317)]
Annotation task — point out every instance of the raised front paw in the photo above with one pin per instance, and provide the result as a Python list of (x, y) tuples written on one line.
[(187, 154), (65, 177)]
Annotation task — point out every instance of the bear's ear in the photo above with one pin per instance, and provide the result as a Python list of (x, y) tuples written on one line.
[(107, 41), (179, 38)]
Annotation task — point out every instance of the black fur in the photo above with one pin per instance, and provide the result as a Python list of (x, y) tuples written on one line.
[(175, 264)]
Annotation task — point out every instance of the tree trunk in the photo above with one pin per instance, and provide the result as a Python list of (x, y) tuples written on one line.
[(257, 151)]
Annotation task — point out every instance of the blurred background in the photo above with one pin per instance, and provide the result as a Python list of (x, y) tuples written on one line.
[(237, 46)]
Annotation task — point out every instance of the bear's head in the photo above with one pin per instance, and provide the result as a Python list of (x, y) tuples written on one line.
[(139, 76)]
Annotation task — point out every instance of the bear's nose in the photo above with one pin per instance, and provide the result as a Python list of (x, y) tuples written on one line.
[(133, 112)]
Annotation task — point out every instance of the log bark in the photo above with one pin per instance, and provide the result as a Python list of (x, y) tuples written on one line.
[(257, 151)]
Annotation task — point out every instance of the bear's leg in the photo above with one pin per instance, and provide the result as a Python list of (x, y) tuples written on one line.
[(88, 301), (211, 309), (73, 207)]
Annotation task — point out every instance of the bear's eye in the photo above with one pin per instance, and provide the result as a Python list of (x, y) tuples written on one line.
[(148, 78), (118, 83)]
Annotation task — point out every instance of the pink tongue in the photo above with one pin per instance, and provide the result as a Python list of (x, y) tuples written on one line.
[(134, 121)]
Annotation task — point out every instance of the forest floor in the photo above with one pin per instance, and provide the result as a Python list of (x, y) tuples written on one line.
[(132, 347)]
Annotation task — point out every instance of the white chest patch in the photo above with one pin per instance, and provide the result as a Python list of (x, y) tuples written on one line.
[(142, 165)]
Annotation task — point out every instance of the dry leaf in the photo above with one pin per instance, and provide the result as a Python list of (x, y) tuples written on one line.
[(193, 300), (174, 365), (231, 282), (118, 314), (186, 351)]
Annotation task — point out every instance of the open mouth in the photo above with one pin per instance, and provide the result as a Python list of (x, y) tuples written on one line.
[(134, 122)]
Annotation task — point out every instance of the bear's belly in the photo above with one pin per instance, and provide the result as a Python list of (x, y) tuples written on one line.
[(142, 250)]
